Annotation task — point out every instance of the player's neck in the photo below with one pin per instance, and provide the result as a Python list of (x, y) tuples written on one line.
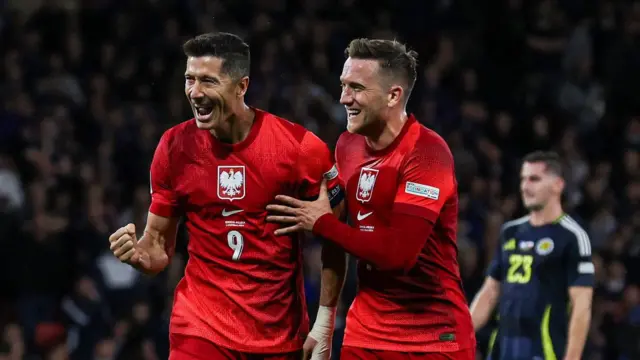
[(388, 131), (237, 127), (550, 214)]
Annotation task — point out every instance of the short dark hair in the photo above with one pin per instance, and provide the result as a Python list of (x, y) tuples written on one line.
[(234, 52), (393, 57), (551, 159)]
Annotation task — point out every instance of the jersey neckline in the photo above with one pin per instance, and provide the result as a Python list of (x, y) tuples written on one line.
[(253, 133), (394, 144)]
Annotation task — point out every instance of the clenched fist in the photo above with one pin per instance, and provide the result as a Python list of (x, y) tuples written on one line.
[(124, 245)]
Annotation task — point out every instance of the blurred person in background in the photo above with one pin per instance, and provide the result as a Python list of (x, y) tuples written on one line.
[(524, 276)]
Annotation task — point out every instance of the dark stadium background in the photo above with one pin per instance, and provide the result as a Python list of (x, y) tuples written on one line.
[(88, 86)]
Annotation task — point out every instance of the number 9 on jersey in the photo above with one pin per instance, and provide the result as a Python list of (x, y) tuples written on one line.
[(236, 243)]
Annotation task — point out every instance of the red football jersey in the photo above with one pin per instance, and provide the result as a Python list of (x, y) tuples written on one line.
[(424, 309), (243, 286)]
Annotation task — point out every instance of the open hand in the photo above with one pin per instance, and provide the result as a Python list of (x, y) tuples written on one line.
[(300, 215)]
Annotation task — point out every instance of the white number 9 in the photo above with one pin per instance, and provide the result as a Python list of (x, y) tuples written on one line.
[(236, 243)]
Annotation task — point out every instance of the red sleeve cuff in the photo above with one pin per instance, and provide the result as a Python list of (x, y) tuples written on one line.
[(160, 209), (325, 222)]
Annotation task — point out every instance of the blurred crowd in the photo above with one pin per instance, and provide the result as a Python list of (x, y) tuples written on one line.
[(88, 86)]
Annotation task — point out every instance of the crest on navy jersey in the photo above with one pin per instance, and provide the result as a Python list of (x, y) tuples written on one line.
[(544, 246), (366, 182), (231, 182)]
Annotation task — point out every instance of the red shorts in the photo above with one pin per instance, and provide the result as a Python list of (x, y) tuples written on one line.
[(354, 353), (193, 348)]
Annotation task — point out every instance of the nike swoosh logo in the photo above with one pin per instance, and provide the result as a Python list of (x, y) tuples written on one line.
[(229, 213), (363, 216)]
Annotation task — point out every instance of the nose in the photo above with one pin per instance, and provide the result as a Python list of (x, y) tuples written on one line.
[(195, 92), (523, 186), (346, 96)]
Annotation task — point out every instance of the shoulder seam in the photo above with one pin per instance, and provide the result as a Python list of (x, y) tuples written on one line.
[(515, 222), (582, 238)]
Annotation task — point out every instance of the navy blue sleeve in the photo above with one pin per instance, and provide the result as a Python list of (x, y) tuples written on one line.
[(580, 269)]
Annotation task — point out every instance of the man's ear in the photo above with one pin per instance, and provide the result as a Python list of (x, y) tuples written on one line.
[(243, 86), (559, 185), (395, 96)]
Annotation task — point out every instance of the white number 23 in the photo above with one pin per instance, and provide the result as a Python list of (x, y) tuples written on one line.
[(236, 243)]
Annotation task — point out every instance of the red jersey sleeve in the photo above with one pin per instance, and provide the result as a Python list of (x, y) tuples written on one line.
[(427, 182), (164, 200), (315, 164)]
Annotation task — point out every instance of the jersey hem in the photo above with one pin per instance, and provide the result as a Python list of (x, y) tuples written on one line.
[(274, 349), (418, 348)]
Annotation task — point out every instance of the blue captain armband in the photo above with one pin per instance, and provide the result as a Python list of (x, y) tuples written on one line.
[(336, 195)]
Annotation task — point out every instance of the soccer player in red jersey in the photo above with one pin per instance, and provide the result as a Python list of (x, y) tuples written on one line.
[(402, 201), (242, 295)]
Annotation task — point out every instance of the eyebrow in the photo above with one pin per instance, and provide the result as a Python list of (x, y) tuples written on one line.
[(351, 83), (204, 77)]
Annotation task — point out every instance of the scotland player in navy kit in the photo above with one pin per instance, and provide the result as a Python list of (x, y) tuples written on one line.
[(541, 273)]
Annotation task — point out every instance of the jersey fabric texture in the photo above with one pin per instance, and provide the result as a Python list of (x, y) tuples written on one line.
[(424, 308), (354, 353), (194, 348), (243, 286)]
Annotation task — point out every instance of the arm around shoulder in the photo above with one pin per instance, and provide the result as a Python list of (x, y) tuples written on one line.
[(315, 163)]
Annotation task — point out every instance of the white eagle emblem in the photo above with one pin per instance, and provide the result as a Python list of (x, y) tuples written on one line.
[(231, 181), (366, 183)]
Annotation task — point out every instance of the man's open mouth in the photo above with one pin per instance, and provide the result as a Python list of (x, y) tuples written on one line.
[(351, 113), (204, 110)]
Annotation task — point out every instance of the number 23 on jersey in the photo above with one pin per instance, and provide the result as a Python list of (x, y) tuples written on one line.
[(520, 267)]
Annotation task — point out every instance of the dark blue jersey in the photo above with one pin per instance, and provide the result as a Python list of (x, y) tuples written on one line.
[(536, 266)]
